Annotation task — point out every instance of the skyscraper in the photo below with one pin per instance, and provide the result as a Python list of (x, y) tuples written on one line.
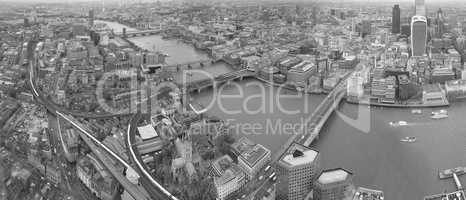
[(420, 8), (418, 35), (91, 18), (440, 23), (314, 15), (296, 171), (396, 19)]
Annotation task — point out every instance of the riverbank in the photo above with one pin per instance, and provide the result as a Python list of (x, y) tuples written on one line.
[(376, 157), (291, 87), (395, 105)]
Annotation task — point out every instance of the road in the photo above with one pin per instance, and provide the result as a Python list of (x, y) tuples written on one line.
[(152, 186), (69, 180), (156, 191)]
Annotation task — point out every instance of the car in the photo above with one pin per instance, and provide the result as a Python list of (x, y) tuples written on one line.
[(261, 177), (267, 168), (272, 175)]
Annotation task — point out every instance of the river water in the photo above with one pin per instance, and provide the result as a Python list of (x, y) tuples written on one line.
[(375, 156)]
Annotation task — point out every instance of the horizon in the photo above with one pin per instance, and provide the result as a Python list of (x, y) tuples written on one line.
[(153, 1)]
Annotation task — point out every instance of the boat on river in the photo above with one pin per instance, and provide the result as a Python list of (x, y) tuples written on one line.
[(408, 139), (439, 114), (399, 123), (444, 112)]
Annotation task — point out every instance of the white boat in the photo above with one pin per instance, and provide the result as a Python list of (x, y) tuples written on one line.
[(399, 123), (409, 139), (443, 112), (416, 111), (439, 116)]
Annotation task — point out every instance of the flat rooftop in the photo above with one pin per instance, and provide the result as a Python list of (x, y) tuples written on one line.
[(333, 176), (308, 155), (252, 156), (147, 132), (303, 66), (249, 151)]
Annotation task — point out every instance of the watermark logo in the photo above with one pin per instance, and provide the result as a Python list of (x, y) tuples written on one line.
[(234, 99)]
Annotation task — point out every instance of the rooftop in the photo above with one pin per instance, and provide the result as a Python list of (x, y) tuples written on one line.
[(250, 152), (298, 154), (147, 132), (333, 176), (229, 175), (432, 88), (222, 164), (303, 67), (368, 194)]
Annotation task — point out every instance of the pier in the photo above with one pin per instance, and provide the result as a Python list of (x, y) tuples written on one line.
[(457, 195)]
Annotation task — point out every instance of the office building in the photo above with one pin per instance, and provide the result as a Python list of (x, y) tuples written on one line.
[(228, 177), (396, 19), (354, 86), (296, 171), (418, 35), (94, 176), (433, 94), (440, 23), (333, 184), (440, 74), (299, 74), (365, 28), (91, 18), (148, 140), (251, 157), (455, 89), (420, 8), (369, 194), (406, 29)]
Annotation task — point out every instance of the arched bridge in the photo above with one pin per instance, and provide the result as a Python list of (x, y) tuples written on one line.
[(224, 78), (142, 33)]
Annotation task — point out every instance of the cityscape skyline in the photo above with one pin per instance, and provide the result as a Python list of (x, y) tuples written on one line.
[(232, 100)]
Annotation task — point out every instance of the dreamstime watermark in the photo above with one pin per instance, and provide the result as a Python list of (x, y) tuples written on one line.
[(234, 99)]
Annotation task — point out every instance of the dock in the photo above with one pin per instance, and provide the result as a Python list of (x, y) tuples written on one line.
[(456, 195)]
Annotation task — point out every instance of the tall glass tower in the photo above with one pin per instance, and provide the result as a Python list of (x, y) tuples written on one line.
[(396, 20), (418, 35)]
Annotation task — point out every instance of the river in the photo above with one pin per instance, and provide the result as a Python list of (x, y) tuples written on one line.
[(376, 157)]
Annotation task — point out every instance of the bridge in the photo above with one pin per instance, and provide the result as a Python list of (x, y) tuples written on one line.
[(142, 33), (224, 78), (189, 65), (313, 125)]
